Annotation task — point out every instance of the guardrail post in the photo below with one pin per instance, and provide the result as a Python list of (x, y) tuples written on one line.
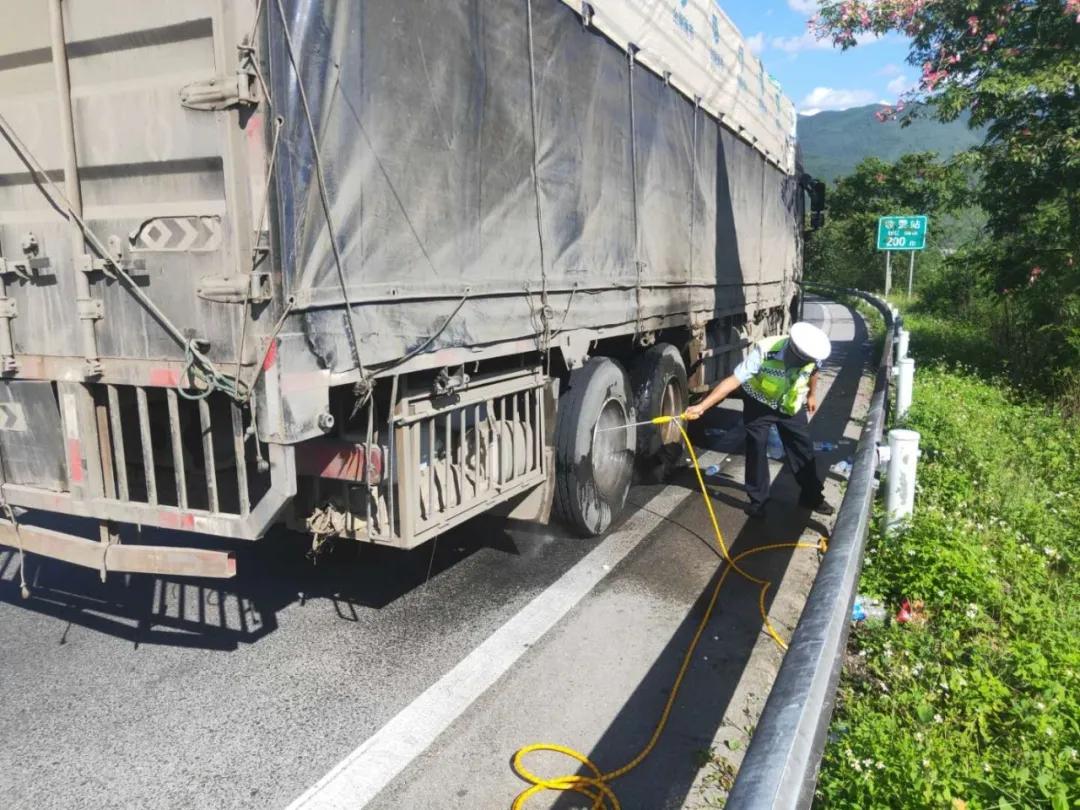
[(905, 383), (900, 478), (903, 338)]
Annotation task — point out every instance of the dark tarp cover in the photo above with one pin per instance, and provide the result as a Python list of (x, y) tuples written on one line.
[(494, 150)]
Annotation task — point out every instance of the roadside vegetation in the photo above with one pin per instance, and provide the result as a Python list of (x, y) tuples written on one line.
[(973, 701)]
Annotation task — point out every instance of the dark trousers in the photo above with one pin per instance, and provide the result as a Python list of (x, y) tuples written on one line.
[(795, 435)]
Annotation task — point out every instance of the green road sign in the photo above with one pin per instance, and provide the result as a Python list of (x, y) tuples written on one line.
[(901, 233)]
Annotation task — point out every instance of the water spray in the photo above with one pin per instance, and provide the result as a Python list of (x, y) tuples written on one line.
[(660, 420)]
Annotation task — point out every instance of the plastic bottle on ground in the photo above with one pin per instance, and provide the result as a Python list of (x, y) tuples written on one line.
[(776, 447), (858, 613), (842, 468), (869, 610), (711, 470)]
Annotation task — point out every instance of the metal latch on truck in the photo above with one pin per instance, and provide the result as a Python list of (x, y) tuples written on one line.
[(239, 89), (27, 267)]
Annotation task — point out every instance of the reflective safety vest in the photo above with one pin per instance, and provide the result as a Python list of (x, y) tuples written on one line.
[(781, 388)]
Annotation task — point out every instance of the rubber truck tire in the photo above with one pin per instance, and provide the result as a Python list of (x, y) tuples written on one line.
[(650, 374), (587, 508)]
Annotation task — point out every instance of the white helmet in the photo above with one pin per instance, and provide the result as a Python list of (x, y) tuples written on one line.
[(810, 341)]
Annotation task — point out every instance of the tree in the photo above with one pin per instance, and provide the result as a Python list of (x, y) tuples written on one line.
[(1015, 65)]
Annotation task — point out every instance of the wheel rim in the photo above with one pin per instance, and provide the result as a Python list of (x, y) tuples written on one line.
[(610, 450), (671, 404)]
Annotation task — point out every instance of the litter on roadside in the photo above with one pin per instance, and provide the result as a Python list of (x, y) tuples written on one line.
[(842, 468), (913, 613), (868, 610)]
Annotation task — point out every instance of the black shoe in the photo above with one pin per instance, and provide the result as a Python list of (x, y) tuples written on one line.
[(755, 510), (817, 504)]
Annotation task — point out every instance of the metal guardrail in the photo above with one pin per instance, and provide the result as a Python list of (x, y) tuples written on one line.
[(780, 769)]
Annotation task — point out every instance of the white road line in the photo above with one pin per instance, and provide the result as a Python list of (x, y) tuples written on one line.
[(357, 779)]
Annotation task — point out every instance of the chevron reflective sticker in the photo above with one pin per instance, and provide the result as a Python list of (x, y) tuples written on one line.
[(12, 417), (192, 234)]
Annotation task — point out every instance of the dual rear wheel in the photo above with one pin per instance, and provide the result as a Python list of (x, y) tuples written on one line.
[(595, 447)]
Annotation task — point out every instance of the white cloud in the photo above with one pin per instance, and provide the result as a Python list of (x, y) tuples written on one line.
[(900, 85), (756, 43), (803, 42), (828, 98), (891, 70), (809, 42), (803, 6)]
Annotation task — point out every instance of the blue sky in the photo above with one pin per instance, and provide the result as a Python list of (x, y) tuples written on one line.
[(813, 74)]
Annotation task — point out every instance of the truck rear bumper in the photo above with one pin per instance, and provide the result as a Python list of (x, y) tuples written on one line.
[(117, 557), (140, 455), (239, 527)]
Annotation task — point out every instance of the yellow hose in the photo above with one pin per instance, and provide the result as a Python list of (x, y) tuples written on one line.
[(596, 784)]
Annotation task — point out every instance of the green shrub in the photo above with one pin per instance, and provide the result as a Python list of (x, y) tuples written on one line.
[(977, 704)]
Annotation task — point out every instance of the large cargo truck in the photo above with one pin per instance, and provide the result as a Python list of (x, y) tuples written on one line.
[(372, 267)]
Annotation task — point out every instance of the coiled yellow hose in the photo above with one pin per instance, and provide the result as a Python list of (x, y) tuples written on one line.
[(596, 785)]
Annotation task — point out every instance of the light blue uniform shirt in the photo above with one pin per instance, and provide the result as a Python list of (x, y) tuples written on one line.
[(752, 364)]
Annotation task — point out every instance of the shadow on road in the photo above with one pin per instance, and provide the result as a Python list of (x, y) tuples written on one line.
[(273, 574), (223, 614)]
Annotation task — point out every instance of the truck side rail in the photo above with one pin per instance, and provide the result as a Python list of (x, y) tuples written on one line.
[(780, 769)]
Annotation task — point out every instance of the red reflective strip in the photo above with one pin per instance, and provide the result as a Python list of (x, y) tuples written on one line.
[(174, 520), (164, 377), (271, 356), (74, 448), (337, 460)]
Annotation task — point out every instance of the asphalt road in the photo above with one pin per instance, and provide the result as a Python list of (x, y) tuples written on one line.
[(394, 680)]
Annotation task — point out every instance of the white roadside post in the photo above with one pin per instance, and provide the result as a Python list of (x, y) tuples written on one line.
[(903, 338), (905, 382), (900, 478)]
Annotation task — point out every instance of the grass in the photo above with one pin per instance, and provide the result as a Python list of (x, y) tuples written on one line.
[(976, 703)]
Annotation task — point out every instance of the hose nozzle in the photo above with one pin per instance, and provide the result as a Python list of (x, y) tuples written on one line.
[(665, 420)]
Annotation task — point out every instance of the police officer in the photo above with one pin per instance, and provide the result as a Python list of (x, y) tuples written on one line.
[(778, 378)]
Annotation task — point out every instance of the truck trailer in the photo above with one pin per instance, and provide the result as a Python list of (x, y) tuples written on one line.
[(369, 268)]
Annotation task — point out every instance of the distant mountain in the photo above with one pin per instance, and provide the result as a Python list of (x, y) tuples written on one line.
[(834, 142)]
